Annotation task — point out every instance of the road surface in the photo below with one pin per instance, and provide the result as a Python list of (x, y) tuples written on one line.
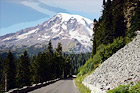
[(61, 86)]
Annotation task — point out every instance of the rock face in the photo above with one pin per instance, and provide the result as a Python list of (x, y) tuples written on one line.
[(122, 67)]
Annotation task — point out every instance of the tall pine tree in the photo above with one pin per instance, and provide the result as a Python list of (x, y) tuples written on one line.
[(50, 48), (119, 25), (59, 61), (108, 32), (135, 22), (95, 29), (23, 72), (51, 60), (9, 72)]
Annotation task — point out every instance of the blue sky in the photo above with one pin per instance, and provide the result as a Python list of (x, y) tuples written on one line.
[(19, 14)]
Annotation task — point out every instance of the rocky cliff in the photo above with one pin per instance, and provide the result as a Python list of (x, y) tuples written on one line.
[(122, 67)]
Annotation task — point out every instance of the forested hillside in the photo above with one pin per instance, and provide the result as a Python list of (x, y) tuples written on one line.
[(113, 30), (16, 72), (25, 70), (116, 21)]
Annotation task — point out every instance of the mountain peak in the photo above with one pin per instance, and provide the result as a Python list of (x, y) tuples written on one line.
[(66, 17), (73, 31)]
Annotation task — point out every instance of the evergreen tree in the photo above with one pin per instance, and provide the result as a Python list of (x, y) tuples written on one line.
[(104, 3), (67, 67), (0, 69), (39, 69), (110, 25), (59, 50), (50, 48), (59, 60), (119, 25), (1, 75), (95, 29), (23, 72), (9, 72), (108, 32), (135, 22), (51, 64)]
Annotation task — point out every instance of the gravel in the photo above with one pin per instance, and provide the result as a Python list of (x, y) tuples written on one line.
[(122, 67)]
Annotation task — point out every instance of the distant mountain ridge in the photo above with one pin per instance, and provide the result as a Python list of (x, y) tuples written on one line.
[(73, 31)]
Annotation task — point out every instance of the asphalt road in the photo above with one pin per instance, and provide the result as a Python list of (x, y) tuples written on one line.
[(61, 86)]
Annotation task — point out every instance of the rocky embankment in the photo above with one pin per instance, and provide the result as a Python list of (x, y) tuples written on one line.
[(122, 67)]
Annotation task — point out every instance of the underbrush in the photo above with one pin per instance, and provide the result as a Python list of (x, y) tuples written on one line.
[(101, 55), (80, 86), (126, 89)]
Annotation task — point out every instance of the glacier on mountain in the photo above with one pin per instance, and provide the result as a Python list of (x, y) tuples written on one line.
[(73, 31)]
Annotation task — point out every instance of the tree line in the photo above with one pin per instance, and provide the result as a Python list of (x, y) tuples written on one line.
[(114, 24), (25, 70), (112, 31), (78, 60)]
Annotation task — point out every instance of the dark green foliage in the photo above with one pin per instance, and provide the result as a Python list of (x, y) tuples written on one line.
[(50, 65), (111, 34), (126, 89), (50, 48), (1, 75), (119, 25), (23, 72), (101, 55), (104, 2), (59, 50), (135, 88), (9, 72), (96, 25), (67, 67), (39, 69), (120, 89), (110, 49), (108, 33), (77, 60), (111, 25), (60, 61), (135, 22)]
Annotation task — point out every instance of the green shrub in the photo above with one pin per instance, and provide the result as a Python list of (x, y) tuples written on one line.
[(101, 55), (126, 89), (86, 68), (120, 89), (135, 88)]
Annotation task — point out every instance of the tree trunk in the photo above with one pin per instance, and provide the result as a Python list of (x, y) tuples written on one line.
[(5, 82)]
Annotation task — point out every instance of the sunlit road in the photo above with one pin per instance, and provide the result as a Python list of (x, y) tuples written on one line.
[(61, 86)]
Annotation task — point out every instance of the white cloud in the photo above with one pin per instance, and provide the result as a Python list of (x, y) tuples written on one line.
[(88, 6), (35, 5)]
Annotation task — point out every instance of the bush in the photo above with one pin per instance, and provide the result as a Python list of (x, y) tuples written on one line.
[(120, 89), (86, 68), (135, 88), (126, 89), (101, 55)]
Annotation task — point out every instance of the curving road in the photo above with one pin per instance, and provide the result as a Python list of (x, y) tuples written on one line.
[(61, 86)]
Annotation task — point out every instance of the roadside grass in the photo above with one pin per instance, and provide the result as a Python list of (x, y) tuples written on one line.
[(80, 85)]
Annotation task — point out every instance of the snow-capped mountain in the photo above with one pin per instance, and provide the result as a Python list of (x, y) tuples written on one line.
[(73, 31)]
